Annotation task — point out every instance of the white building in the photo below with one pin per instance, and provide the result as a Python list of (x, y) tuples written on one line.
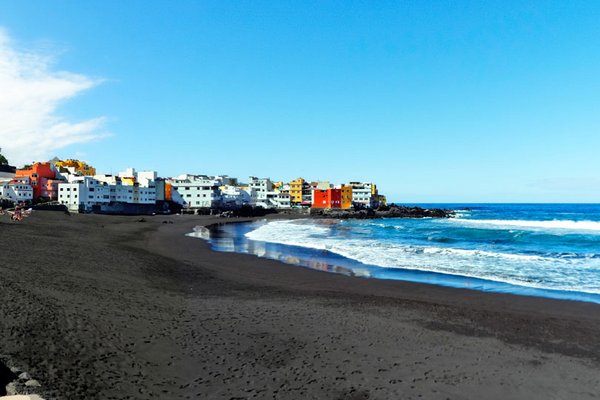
[(143, 185), (364, 194), (226, 180), (279, 199), (235, 196), (82, 193), (275, 199), (18, 190), (262, 187), (198, 191), (85, 193)]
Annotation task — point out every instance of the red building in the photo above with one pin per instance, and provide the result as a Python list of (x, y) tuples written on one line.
[(43, 180), (327, 198)]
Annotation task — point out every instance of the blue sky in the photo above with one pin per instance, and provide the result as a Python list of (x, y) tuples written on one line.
[(435, 101)]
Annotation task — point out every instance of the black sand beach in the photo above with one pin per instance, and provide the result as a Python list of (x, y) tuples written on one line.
[(99, 307)]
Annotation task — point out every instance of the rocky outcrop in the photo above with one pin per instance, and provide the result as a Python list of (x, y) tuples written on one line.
[(17, 385), (393, 211)]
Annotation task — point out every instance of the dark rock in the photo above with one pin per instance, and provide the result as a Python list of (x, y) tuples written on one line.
[(32, 383), (24, 376), (392, 211), (6, 377)]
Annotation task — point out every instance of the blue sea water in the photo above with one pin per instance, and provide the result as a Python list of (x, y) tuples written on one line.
[(549, 250)]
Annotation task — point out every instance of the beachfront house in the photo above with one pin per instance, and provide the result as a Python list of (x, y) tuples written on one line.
[(17, 190), (129, 192), (237, 196), (142, 183), (198, 191), (364, 194), (275, 199), (339, 197), (296, 187), (83, 193), (43, 179), (262, 186)]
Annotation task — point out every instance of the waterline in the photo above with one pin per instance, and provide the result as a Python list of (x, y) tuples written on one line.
[(239, 238)]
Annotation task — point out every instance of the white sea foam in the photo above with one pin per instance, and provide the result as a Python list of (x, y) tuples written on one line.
[(200, 232), (588, 226), (519, 269)]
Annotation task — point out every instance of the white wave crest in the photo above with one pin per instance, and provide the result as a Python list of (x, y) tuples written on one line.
[(558, 273), (593, 226)]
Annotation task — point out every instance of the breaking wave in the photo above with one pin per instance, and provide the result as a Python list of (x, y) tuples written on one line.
[(546, 270), (593, 226)]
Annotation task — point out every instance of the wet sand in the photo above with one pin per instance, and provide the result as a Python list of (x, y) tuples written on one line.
[(101, 307)]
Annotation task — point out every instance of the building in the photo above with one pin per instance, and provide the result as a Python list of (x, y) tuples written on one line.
[(78, 167), (43, 180), (307, 193), (296, 187), (7, 171), (129, 192), (17, 190), (364, 194), (142, 185), (262, 186), (279, 199), (198, 191), (236, 196), (166, 194), (338, 197), (85, 194), (227, 180), (275, 199), (346, 197)]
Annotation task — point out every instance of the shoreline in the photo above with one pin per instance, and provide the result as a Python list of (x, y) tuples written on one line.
[(373, 271), (121, 308)]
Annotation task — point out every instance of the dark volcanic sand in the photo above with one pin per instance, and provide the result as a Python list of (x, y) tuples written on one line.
[(99, 307)]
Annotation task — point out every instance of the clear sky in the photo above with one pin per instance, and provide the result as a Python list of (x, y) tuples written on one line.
[(436, 101)]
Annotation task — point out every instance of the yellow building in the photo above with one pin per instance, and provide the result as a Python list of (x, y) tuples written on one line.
[(346, 197), (382, 200), (128, 180), (277, 185), (296, 187), (79, 166)]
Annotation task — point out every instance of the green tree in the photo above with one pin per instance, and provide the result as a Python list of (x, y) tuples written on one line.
[(3, 160)]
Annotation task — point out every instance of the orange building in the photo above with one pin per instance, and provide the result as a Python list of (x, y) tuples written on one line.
[(322, 198), (43, 180)]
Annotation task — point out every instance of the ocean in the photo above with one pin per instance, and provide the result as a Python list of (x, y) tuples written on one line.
[(548, 250)]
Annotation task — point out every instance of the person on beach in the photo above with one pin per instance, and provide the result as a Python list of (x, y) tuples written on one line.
[(17, 215)]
